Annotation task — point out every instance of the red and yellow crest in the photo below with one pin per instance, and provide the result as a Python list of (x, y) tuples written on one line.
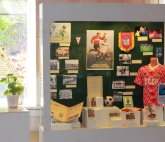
[(126, 41)]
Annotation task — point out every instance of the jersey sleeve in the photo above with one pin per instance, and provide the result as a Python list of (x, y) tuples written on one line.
[(138, 80)]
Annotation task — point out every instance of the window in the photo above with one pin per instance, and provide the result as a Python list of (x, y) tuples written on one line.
[(14, 36)]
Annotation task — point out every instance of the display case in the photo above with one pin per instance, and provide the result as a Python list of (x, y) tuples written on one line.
[(92, 58)]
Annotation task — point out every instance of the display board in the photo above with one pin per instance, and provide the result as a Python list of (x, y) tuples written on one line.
[(77, 51)]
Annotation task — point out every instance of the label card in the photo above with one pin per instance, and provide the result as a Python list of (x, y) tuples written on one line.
[(54, 71), (53, 90), (130, 87), (70, 86), (64, 44), (72, 71), (136, 61), (156, 40), (133, 73), (147, 53), (127, 93), (142, 38)]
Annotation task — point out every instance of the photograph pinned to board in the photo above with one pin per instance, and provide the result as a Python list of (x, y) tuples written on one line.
[(91, 113), (65, 94), (158, 51), (151, 114), (53, 82), (53, 95), (62, 52), (124, 58), (93, 101), (146, 47), (100, 50), (155, 33), (161, 93), (60, 32), (114, 113), (54, 64), (122, 70), (130, 116), (117, 96), (69, 79), (72, 64), (118, 83), (128, 102), (141, 31)]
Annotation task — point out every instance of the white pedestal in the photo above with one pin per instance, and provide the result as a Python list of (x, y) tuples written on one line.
[(130, 123), (54, 126), (137, 116), (151, 123), (97, 116), (14, 124), (99, 102), (159, 114), (66, 126), (116, 122), (105, 115), (75, 124)]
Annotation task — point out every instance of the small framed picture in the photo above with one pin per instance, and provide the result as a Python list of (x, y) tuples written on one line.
[(161, 92), (128, 102), (124, 58), (54, 64), (60, 32), (130, 115), (122, 70), (91, 113), (53, 95), (53, 82), (151, 114), (93, 101), (113, 113)]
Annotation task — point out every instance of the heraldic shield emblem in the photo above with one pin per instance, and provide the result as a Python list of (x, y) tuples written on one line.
[(126, 41)]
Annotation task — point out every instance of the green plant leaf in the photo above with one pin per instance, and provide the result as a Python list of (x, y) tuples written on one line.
[(21, 77), (9, 75), (3, 80), (6, 92)]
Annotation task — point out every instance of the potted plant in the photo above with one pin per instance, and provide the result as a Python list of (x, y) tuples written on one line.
[(14, 89)]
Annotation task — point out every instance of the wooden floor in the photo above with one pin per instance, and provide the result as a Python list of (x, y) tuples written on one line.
[(34, 136)]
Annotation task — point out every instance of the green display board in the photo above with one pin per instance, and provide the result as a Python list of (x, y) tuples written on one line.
[(79, 93)]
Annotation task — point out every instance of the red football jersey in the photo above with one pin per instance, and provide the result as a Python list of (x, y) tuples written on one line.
[(149, 77)]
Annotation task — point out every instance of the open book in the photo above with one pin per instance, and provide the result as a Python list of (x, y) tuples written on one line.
[(64, 113)]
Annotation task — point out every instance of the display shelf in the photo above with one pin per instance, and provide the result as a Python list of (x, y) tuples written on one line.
[(87, 12)]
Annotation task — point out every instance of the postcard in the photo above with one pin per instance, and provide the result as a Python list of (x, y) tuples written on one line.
[(130, 115), (128, 102), (53, 95), (62, 52), (65, 94), (122, 70), (118, 83), (64, 113), (161, 93), (146, 47), (93, 101), (54, 64), (151, 114), (155, 33), (113, 113), (53, 82), (158, 51), (141, 31), (71, 64), (124, 58), (69, 79), (60, 32), (94, 86), (100, 50), (117, 96), (91, 113)]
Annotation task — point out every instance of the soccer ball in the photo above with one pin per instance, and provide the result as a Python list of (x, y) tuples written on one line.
[(108, 100)]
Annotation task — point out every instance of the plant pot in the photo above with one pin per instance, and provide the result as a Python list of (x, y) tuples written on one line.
[(12, 100)]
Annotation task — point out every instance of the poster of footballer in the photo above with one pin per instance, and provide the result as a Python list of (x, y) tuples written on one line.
[(100, 50)]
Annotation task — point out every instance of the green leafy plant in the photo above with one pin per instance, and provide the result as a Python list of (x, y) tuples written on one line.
[(14, 87)]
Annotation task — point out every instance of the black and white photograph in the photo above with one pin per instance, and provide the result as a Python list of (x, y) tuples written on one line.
[(53, 95), (71, 64), (124, 58), (117, 96), (54, 64), (122, 70), (127, 101), (53, 82), (65, 94), (69, 79), (118, 83)]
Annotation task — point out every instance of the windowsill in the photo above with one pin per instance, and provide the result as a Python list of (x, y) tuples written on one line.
[(31, 107)]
